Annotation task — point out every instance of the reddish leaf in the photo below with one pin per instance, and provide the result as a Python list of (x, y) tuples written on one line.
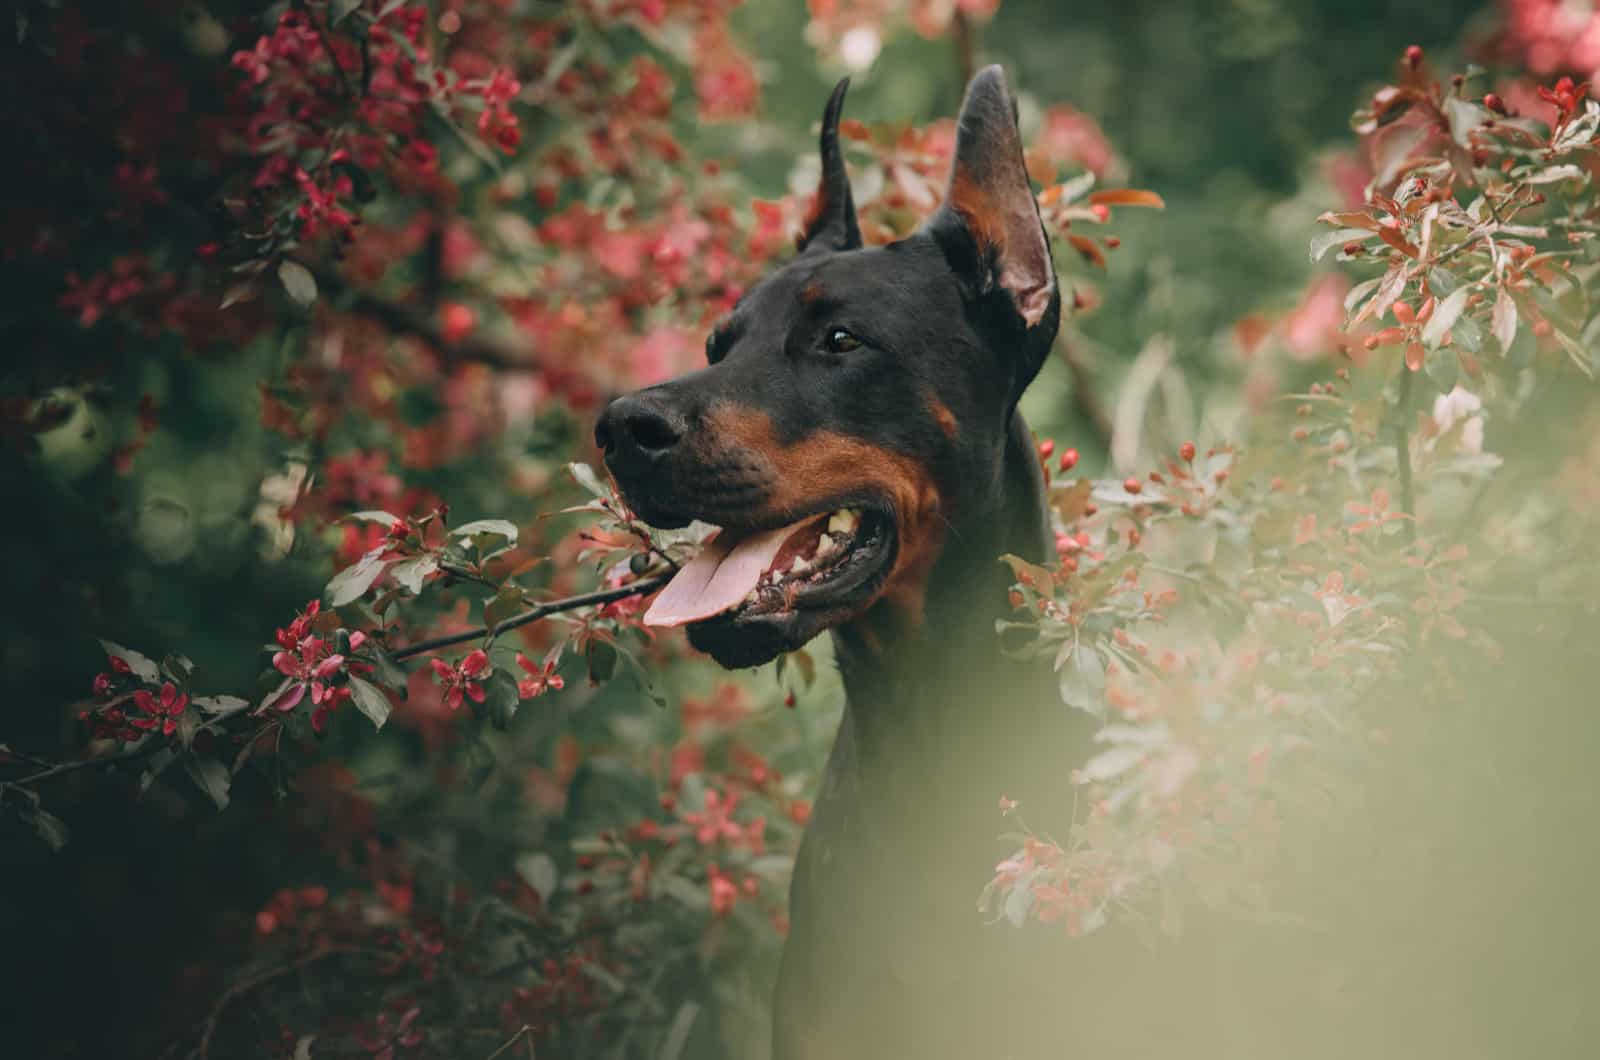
[(1127, 197), (1089, 249), (1399, 242)]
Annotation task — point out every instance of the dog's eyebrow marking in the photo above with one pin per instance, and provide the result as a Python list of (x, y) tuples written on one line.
[(813, 292)]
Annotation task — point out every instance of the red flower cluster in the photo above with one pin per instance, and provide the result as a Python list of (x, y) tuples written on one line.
[(1566, 97), (162, 713), (312, 664), (716, 822), (541, 678), (464, 679), (333, 106)]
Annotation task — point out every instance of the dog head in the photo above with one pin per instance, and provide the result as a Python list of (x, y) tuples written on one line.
[(855, 406)]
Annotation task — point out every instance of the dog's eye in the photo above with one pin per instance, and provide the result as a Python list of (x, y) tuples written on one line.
[(841, 341)]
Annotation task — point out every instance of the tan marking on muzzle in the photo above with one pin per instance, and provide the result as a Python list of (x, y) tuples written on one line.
[(824, 464)]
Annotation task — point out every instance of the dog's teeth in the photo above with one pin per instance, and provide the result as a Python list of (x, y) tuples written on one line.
[(800, 565), (842, 522), (825, 545)]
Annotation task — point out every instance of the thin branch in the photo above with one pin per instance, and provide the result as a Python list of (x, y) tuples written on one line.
[(412, 321), (245, 986), (545, 610), (600, 597), (455, 570), (143, 749)]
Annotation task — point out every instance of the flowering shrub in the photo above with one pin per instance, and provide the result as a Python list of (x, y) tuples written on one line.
[(1348, 549), (431, 239)]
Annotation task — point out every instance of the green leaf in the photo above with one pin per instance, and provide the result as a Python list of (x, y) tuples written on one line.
[(370, 700), (602, 660), (298, 281), (1076, 188), (1445, 315), (1468, 334), (678, 1034), (1112, 763), (351, 583), (339, 10), (501, 698), (1325, 242), (389, 673), (504, 527), (1555, 174), (179, 667), (142, 666), (1389, 291), (586, 477), (1463, 118), (1441, 281), (506, 603), (1504, 324), (1523, 347), (1359, 293), (51, 829), (374, 516), (1020, 900), (1443, 368), (211, 777), (539, 872), (1083, 681), (411, 573)]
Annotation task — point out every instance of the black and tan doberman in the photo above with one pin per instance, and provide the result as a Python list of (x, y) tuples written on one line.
[(857, 439)]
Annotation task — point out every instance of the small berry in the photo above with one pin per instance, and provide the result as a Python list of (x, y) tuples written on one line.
[(1186, 451), (1133, 485), (1494, 103), (1069, 460), (1414, 56), (1046, 448)]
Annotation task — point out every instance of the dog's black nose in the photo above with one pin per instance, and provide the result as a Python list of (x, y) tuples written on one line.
[(638, 429)]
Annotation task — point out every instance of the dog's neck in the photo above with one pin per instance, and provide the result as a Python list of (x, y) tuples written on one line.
[(917, 692)]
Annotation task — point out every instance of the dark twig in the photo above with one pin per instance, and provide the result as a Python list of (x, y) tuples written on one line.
[(147, 747), (545, 610), (245, 986), (553, 607), (455, 570), (411, 321)]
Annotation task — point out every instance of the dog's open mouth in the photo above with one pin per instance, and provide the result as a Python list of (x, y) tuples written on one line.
[(827, 560)]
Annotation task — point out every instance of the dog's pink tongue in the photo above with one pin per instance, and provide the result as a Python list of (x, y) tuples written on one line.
[(720, 575)]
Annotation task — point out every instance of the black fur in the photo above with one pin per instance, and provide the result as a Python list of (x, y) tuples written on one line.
[(888, 956)]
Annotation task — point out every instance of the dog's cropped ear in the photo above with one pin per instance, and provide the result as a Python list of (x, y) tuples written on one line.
[(991, 198), (832, 224)]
